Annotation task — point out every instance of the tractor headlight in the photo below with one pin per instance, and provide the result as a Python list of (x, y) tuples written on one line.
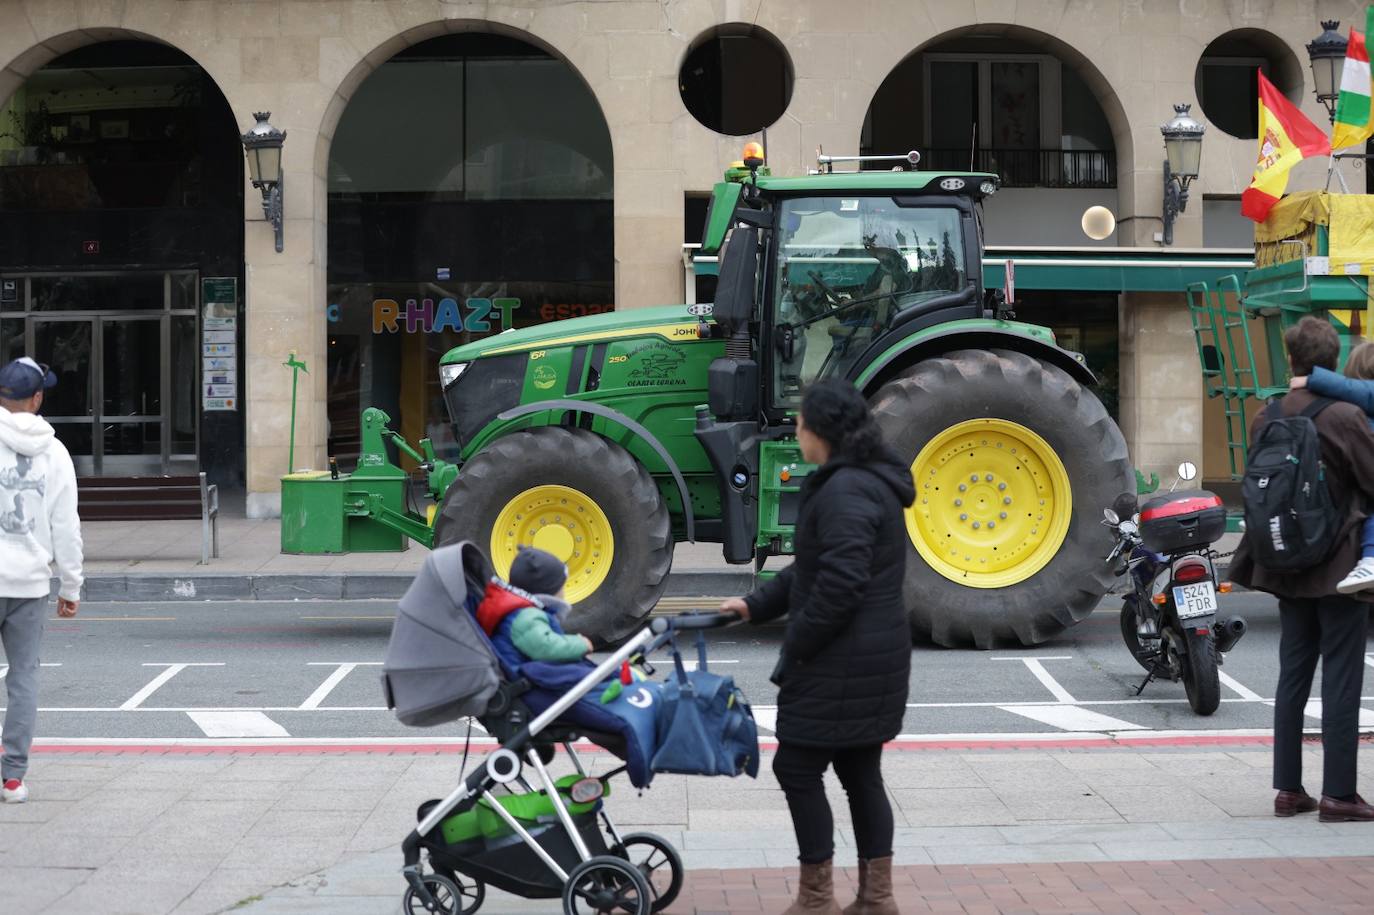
[(448, 374), (988, 188)]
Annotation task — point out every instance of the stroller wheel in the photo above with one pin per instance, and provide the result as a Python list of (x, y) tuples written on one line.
[(451, 895), (606, 884), (658, 861)]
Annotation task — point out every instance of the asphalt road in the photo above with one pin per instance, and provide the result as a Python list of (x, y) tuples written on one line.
[(309, 670)]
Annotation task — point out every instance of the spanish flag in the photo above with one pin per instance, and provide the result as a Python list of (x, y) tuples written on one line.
[(1286, 137)]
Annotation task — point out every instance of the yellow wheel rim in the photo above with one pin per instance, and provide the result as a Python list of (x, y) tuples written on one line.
[(992, 503), (563, 521)]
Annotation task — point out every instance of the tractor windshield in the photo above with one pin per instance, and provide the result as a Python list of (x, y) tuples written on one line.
[(845, 266)]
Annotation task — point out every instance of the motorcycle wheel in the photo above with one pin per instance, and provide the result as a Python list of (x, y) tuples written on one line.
[(1200, 678), (1130, 630)]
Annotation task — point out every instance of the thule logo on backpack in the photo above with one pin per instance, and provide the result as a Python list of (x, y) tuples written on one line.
[(1276, 534), (1263, 482)]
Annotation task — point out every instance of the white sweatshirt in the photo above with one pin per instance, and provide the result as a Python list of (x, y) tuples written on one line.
[(38, 521)]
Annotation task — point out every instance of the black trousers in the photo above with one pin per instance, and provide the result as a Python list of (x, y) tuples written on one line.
[(1332, 628), (799, 771)]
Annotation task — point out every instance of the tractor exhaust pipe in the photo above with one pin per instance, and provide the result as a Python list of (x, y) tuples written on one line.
[(1228, 633)]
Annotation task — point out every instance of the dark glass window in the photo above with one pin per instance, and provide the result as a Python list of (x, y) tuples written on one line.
[(470, 186), (736, 79)]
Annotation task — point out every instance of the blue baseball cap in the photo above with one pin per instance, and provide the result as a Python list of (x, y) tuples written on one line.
[(23, 378)]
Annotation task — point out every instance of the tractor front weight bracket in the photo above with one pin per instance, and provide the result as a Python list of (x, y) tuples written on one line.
[(372, 505)]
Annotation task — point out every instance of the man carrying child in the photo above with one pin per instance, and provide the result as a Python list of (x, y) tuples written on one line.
[(1316, 619)]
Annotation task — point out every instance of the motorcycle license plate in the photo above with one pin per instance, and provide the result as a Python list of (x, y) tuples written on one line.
[(1195, 600)]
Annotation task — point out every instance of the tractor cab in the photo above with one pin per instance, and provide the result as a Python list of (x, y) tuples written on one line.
[(818, 272)]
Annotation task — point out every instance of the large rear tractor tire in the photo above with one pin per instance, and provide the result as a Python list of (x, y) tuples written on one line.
[(580, 497), (1013, 462)]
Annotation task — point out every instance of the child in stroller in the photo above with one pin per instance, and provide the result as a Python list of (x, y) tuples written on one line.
[(495, 827), (523, 618)]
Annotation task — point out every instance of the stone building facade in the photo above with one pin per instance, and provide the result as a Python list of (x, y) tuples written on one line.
[(304, 61)]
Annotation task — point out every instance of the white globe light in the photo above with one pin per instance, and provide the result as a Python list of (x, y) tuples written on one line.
[(1098, 222)]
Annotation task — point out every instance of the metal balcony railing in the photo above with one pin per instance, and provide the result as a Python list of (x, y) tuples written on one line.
[(1069, 168)]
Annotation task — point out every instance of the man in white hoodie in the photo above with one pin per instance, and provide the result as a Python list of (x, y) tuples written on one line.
[(38, 528)]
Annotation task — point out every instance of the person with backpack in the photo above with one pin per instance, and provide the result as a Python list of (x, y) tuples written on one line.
[(1309, 481), (844, 672), (39, 529), (1355, 386)]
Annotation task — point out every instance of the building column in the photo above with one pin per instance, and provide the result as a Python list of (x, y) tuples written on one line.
[(1161, 383), (284, 315)]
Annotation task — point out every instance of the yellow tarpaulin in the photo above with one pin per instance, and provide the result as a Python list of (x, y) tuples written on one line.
[(1294, 216), (1352, 234), (1349, 219)]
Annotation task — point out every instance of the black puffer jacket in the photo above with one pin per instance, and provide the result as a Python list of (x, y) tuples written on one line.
[(846, 657)]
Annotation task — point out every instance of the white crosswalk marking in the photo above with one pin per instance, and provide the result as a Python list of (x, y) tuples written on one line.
[(325, 688), (691, 665), (237, 724), (1071, 718), (156, 683), (1240, 689), (766, 716), (1314, 710), (1038, 670), (5, 668)]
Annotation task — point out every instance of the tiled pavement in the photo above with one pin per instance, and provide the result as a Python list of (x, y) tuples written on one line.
[(1297, 885), (204, 831)]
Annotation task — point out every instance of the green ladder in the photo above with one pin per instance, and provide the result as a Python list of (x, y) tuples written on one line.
[(1221, 330)]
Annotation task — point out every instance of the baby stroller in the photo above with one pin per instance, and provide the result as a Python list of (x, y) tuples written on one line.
[(555, 840)]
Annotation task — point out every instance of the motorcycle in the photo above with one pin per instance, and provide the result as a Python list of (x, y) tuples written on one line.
[(1169, 618)]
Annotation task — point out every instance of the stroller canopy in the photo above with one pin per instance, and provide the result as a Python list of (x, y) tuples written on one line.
[(439, 667)]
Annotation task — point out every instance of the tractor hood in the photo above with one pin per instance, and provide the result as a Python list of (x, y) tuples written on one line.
[(633, 322)]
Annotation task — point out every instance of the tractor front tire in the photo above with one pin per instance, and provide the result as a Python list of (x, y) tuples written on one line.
[(553, 485), (1013, 462)]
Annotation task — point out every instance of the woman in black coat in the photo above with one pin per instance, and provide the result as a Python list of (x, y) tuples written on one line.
[(846, 657)]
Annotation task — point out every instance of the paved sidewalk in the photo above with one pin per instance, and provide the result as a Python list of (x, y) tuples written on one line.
[(1295, 885), (204, 829), (159, 560)]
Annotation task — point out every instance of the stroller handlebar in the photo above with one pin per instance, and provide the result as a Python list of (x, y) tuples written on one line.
[(693, 620)]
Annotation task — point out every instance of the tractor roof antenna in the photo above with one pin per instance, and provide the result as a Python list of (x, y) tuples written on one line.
[(827, 163)]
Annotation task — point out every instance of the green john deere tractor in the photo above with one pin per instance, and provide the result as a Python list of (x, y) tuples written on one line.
[(608, 439)]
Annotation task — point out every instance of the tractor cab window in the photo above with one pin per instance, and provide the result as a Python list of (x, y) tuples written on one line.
[(845, 267)]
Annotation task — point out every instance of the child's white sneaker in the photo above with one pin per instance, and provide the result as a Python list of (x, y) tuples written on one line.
[(1360, 578), (15, 791)]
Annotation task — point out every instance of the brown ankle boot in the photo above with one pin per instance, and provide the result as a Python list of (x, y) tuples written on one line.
[(875, 889), (816, 894)]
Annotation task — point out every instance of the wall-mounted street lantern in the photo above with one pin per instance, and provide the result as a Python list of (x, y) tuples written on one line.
[(1326, 53), (1183, 158), (263, 145)]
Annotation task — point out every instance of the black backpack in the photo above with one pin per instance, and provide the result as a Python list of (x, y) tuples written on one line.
[(1290, 521)]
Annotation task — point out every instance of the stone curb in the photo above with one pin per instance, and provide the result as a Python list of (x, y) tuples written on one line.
[(154, 587)]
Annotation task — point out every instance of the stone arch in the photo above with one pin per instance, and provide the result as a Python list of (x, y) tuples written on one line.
[(16, 71), (1102, 89), (389, 48), (543, 153)]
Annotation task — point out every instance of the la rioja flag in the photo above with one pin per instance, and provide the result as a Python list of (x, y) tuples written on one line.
[(1286, 137), (1354, 119)]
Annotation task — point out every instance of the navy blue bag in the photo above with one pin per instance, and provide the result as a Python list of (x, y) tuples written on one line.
[(705, 726)]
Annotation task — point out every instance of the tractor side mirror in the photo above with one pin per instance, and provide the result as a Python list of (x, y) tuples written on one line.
[(739, 270), (732, 389)]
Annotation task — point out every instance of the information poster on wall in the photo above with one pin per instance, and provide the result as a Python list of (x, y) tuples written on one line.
[(219, 380)]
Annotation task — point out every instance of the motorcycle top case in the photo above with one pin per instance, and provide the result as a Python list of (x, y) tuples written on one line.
[(1182, 520)]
